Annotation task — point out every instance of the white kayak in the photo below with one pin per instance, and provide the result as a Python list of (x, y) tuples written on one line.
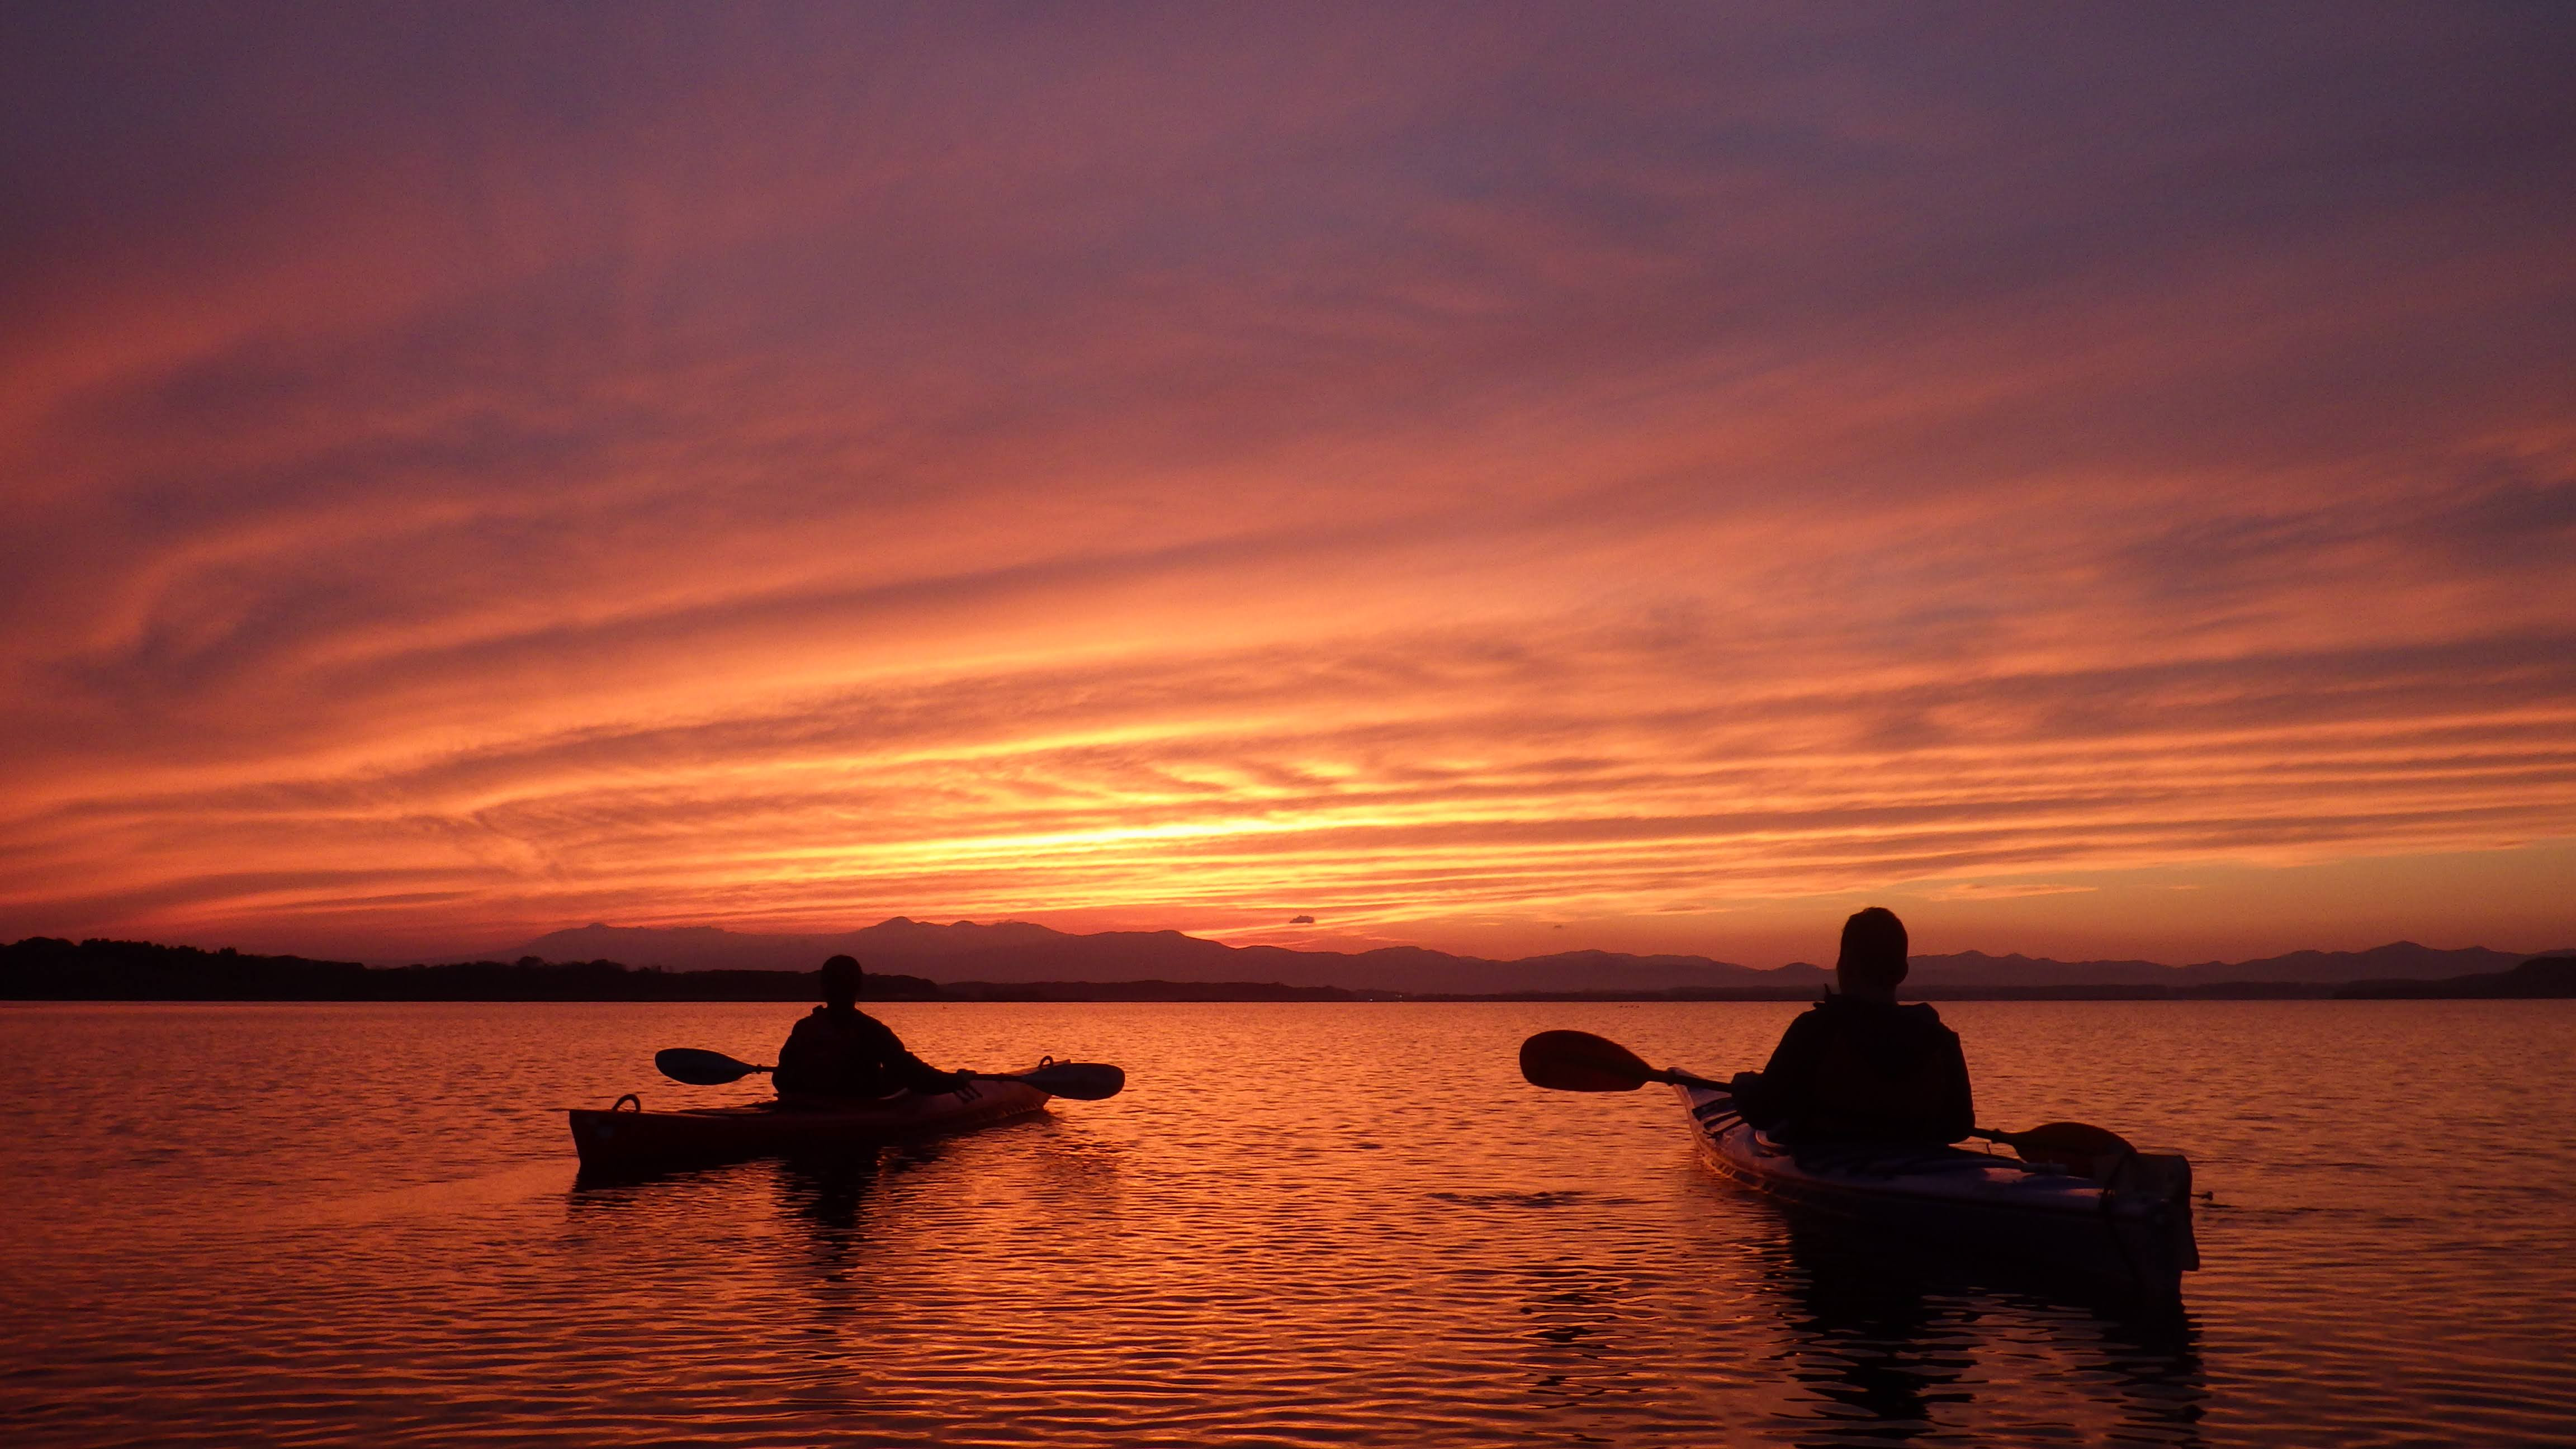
[(2126, 1223)]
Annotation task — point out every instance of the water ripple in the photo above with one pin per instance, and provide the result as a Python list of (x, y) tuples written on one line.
[(1380, 1237)]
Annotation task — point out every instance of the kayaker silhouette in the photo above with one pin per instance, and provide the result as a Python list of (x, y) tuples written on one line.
[(1858, 1067), (838, 1053)]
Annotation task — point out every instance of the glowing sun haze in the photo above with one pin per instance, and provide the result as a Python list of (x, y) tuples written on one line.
[(2100, 480)]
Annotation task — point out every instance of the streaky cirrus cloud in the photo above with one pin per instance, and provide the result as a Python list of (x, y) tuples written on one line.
[(2096, 480)]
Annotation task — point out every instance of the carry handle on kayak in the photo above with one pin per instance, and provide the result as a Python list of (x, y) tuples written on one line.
[(1080, 1081)]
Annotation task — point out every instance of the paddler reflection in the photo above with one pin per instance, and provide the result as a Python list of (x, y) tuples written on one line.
[(1858, 1067), (1889, 1342), (839, 1054)]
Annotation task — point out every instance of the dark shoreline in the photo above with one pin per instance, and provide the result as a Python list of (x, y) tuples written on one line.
[(44, 968)]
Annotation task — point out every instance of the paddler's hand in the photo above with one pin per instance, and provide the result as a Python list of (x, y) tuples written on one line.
[(963, 1084)]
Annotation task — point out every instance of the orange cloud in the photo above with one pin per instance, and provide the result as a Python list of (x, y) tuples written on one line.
[(1470, 482)]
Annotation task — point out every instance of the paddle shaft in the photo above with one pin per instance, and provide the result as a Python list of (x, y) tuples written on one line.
[(1079, 1080), (750, 1067)]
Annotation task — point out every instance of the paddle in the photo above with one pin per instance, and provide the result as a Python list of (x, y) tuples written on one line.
[(701, 1068), (1578, 1061), (1081, 1081), (2066, 1144)]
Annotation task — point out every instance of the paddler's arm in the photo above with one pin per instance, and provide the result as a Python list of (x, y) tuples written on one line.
[(795, 1060), (1958, 1115), (909, 1071), (1772, 1096)]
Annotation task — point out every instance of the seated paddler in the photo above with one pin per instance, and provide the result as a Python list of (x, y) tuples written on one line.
[(839, 1054), (1858, 1067)]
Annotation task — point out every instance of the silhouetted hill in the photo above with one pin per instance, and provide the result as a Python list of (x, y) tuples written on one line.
[(710, 948), (2400, 959), (1023, 951), (2540, 977), (1023, 962)]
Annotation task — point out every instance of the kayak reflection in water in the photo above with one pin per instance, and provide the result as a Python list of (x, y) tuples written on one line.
[(839, 1054), (1858, 1067)]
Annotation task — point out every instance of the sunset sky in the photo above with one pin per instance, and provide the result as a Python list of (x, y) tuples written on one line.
[(2099, 480)]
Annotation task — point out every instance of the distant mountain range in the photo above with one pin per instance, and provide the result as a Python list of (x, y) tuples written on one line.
[(1021, 951)]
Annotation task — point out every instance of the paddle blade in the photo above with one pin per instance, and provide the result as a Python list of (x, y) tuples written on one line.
[(1081, 1081), (1578, 1061), (702, 1068), (2070, 1144)]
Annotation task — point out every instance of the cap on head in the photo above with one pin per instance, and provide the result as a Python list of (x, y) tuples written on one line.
[(841, 978), (1873, 949)]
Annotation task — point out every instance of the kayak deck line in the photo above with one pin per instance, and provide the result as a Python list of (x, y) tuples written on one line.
[(2127, 1225)]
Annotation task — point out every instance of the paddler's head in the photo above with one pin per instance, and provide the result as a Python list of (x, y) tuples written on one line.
[(1873, 956), (841, 981)]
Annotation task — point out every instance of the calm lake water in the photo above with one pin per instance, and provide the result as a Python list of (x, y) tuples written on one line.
[(1328, 1224)]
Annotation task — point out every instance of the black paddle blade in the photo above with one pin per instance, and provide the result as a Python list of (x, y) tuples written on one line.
[(1578, 1061), (701, 1068), (1081, 1081), (2069, 1144)]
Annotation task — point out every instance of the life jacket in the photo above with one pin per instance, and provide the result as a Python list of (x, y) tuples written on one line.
[(1881, 1073), (840, 1054)]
